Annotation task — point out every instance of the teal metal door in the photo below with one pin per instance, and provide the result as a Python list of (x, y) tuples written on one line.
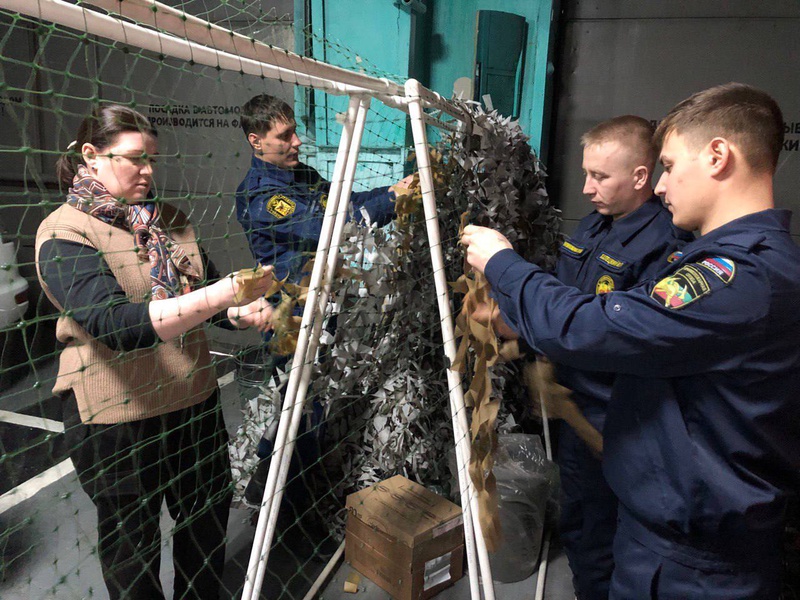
[(500, 59), (371, 36)]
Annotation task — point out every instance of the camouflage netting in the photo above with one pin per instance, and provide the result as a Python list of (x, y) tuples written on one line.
[(381, 378)]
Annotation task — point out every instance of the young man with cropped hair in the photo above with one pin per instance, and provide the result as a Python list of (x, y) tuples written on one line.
[(702, 437)]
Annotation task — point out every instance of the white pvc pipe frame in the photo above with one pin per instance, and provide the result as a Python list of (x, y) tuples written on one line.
[(333, 80), (541, 576), (228, 50), (303, 357), (299, 378)]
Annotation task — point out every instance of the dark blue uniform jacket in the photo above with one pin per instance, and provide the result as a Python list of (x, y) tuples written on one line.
[(702, 439), (281, 211), (604, 255)]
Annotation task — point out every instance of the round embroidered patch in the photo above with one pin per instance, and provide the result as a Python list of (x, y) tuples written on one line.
[(604, 285), (674, 256)]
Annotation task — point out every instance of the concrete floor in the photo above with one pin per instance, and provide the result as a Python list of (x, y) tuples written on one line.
[(48, 524), (557, 586)]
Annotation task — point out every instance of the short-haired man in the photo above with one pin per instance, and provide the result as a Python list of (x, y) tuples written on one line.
[(702, 437), (628, 238), (281, 201), (281, 204)]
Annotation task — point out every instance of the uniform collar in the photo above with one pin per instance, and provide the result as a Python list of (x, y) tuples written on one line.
[(627, 227), (273, 172), (771, 219), (598, 222)]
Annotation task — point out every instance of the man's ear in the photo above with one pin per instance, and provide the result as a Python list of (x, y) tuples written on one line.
[(718, 154), (641, 177), (255, 141)]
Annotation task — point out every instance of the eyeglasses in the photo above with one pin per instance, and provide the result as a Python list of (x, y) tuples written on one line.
[(138, 160)]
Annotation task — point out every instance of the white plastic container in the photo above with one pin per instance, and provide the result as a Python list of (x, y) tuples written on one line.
[(13, 287)]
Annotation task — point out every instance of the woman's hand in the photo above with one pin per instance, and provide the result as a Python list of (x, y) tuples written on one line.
[(246, 286), (257, 314), (174, 316)]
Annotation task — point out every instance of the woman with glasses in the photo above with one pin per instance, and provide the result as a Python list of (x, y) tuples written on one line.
[(141, 405)]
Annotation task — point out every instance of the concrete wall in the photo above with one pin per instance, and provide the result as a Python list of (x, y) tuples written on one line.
[(642, 57)]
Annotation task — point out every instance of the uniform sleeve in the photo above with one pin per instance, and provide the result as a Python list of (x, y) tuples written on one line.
[(265, 215), (275, 219), (378, 203), (83, 284), (631, 332), (655, 263)]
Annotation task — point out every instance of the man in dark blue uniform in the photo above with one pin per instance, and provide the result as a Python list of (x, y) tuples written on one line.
[(281, 201), (281, 204), (702, 437), (627, 239)]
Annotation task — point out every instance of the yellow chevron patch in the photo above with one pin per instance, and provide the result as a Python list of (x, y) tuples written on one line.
[(612, 262)]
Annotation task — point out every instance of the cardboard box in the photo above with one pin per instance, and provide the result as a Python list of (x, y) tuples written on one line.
[(406, 539)]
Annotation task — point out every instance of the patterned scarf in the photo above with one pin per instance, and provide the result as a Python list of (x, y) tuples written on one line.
[(171, 272)]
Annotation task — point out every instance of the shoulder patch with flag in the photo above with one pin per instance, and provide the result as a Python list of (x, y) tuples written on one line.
[(683, 287), (722, 267), (280, 206)]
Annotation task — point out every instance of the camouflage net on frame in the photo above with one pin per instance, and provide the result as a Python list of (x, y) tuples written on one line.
[(382, 377)]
